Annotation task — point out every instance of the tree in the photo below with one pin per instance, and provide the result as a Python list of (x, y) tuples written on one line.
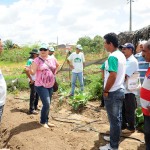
[(91, 45), (8, 44), (98, 42)]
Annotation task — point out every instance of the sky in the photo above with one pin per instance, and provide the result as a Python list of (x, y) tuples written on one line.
[(65, 21)]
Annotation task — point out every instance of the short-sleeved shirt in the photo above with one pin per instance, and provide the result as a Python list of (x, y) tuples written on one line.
[(3, 89), (41, 66), (29, 62), (103, 66), (145, 93), (77, 61), (131, 67), (116, 63)]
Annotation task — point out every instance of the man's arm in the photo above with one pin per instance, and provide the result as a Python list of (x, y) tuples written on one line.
[(70, 64), (28, 75)]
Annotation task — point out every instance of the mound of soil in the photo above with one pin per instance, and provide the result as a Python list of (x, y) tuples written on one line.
[(82, 130)]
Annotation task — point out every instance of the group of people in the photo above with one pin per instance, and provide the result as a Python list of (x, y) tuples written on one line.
[(119, 91), (41, 60), (120, 101), (41, 69)]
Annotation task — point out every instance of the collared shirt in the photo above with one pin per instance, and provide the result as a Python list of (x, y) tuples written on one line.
[(131, 67)]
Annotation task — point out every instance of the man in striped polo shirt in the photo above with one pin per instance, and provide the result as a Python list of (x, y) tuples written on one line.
[(145, 96)]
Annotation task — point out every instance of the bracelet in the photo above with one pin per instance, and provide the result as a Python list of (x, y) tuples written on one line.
[(106, 91)]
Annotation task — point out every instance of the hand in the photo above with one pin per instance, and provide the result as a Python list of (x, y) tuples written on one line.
[(27, 68), (31, 81), (71, 66), (105, 94)]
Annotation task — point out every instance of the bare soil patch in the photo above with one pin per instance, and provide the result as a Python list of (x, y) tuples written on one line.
[(82, 130)]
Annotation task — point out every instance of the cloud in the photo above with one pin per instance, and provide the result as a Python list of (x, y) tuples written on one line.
[(26, 21)]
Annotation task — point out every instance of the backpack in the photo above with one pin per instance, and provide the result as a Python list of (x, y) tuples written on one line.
[(47, 78)]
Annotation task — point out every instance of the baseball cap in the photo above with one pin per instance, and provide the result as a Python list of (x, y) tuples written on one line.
[(128, 45), (51, 49), (79, 47), (34, 51), (44, 46)]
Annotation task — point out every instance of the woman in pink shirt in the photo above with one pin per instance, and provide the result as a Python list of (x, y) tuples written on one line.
[(45, 68)]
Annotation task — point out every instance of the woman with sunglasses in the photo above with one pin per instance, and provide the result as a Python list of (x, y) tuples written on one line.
[(45, 68)]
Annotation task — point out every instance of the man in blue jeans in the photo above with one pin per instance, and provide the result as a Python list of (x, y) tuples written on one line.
[(76, 62), (114, 75)]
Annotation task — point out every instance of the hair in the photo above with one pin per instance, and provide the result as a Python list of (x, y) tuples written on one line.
[(111, 38), (148, 44), (31, 56)]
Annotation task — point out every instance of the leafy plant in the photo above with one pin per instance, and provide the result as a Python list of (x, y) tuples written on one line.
[(78, 100), (16, 82), (95, 87), (139, 119)]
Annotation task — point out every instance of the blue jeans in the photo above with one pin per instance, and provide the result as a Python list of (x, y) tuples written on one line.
[(1, 112), (147, 131), (113, 104), (46, 96), (73, 81)]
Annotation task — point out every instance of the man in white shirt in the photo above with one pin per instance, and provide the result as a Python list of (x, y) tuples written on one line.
[(2, 88), (76, 62), (129, 103)]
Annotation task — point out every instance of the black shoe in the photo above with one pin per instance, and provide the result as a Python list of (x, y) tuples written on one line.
[(101, 105)]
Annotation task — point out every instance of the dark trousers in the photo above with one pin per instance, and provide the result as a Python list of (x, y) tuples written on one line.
[(102, 101), (33, 98), (128, 111), (147, 131)]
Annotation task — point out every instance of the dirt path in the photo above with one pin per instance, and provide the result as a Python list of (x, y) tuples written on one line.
[(73, 131)]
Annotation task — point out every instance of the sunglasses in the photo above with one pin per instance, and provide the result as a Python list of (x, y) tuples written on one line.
[(43, 49)]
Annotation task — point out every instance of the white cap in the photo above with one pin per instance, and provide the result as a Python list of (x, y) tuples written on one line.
[(51, 49), (79, 47)]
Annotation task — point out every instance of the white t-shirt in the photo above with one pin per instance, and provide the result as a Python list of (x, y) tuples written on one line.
[(116, 63), (3, 89), (77, 61)]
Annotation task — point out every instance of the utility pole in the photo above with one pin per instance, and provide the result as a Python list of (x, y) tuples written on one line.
[(130, 20)]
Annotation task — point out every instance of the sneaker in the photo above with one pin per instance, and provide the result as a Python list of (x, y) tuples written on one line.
[(50, 124), (34, 112), (107, 138), (127, 131), (45, 125), (106, 147)]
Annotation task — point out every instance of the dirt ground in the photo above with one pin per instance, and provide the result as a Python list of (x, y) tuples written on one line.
[(81, 130)]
